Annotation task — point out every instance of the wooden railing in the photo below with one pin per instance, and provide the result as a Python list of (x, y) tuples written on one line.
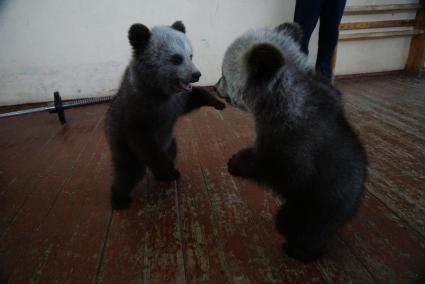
[(377, 9), (414, 28)]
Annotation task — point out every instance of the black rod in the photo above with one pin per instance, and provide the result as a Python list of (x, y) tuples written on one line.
[(58, 106)]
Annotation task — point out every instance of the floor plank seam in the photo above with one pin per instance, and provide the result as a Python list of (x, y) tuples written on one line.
[(145, 273), (401, 218), (227, 267), (102, 252), (179, 222), (358, 259)]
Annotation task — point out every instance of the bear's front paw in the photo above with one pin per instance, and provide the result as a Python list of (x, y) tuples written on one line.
[(234, 167), (242, 163), (168, 176), (119, 201), (301, 254), (219, 105)]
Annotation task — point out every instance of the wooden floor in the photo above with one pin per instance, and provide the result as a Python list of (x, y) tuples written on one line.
[(56, 224)]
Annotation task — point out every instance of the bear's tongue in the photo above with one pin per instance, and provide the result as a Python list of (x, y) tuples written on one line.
[(186, 86)]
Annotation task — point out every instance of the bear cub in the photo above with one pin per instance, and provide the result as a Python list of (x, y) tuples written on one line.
[(305, 150), (155, 90)]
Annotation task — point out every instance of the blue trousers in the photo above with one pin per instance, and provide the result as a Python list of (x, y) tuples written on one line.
[(307, 13)]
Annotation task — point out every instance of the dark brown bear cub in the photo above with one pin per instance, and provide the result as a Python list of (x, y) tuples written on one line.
[(155, 90), (305, 149)]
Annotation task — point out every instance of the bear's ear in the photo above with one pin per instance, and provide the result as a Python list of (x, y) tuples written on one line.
[(263, 61), (179, 26), (138, 35), (292, 30)]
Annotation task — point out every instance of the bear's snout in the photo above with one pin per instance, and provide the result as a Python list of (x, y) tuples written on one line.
[(196, 76)]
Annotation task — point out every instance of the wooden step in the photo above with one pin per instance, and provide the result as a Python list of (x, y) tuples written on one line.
[(377, 35), (377, 24), (379, 9)]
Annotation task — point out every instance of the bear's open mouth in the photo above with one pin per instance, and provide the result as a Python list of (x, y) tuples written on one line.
[(186, 86)]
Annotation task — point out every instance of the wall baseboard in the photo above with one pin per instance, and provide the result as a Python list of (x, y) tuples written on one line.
[(7, 108), (369, 74), (375, 74)]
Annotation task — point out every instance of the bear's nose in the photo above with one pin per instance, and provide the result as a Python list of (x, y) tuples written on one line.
[(195, 76)]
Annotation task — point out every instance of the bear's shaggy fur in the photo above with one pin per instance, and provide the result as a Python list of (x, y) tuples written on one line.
[(305, 149), (154, 92)]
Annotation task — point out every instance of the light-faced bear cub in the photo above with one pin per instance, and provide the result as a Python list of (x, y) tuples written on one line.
[(155, 90), (305, 149)]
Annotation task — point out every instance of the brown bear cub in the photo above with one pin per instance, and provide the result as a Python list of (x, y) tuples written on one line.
[(305, 149), (155, 90)]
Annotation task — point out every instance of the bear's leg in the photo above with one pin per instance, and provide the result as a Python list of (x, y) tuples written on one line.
[(307, 236), (154, 156), (163, 168), (172, 150), (127, 173), (244, 164)]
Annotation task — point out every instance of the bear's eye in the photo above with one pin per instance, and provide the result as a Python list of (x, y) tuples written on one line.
[(177, 59)]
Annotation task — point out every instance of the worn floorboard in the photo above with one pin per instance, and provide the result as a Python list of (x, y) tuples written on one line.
[(56, 224)]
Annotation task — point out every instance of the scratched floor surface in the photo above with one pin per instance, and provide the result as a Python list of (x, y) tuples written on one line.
[(56, 224)]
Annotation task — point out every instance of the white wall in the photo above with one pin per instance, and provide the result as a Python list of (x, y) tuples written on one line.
[(80, 47)]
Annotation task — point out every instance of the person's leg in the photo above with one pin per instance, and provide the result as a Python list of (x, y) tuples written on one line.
[(330, 19), (307, 13)]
